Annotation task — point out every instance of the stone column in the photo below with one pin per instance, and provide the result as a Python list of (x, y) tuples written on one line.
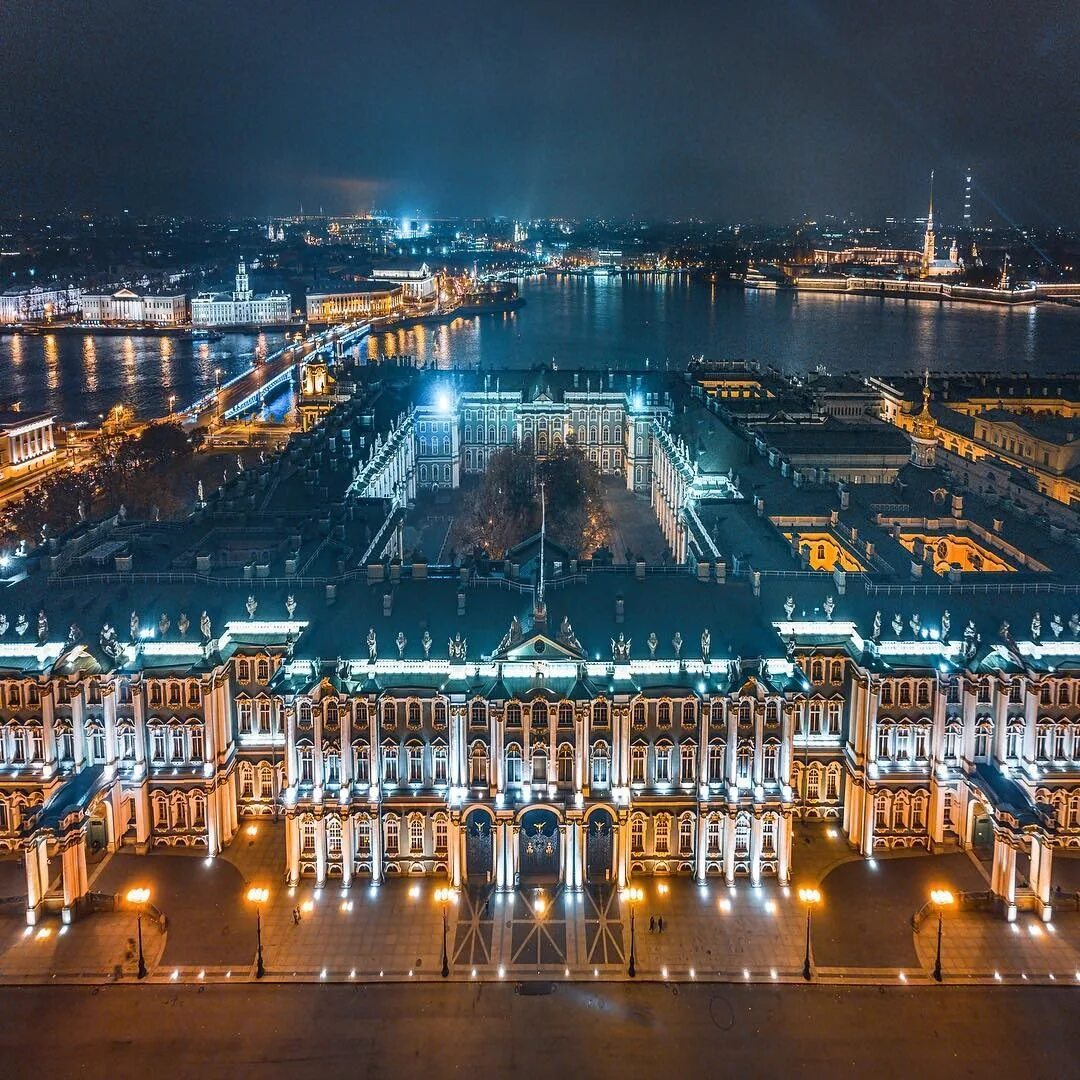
[(292, 848), (36, 861), (48, 725), (1041, 863), (73, 872), (514, 838), (1003, 875), (755, 850), (375, 827), (701, 846), (499, 843), (78, 728), (348, 849), (729, 848), (1001, 724), (454, 852), (866, 846), (290, 747), (783, 849)]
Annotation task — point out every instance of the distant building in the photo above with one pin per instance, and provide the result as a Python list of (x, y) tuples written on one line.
[(362, 300), (241, 307), (27, 442), (130, 306), (931, 265), (418, 282), (35, 303)]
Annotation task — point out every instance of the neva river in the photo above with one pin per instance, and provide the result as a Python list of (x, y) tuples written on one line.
[(579, 322)]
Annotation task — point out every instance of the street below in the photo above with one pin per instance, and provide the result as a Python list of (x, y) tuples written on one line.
[(573, 1029)]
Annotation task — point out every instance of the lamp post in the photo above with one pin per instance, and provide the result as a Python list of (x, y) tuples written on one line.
[(258, 897), (634, 896), (139, 897), (443, 896), (941, 899), (809, 897)]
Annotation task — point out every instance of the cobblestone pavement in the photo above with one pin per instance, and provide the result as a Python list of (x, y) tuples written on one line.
[(861, 932)]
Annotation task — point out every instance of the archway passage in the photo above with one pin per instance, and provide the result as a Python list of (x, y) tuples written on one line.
[(982, 834), (599, 848), (479, 847), (539, 847)]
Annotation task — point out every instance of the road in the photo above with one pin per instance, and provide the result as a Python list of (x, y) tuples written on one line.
[(604, 1031)]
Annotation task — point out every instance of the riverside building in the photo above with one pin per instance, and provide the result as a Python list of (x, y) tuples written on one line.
[(241, 307), (814, 650)]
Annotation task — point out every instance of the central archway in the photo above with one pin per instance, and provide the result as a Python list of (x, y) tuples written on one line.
[(479, 846), (538, 854), (599, 847)]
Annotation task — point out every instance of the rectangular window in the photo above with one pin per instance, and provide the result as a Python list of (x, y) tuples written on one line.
[(662, 832), (637, 764)]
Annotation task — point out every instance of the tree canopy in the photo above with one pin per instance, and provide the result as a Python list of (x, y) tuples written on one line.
[(505, 508)]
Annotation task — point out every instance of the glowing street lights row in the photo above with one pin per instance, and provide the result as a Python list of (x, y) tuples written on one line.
[(633, 895)]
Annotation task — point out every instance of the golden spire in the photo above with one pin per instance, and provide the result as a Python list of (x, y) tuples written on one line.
[(924, 425)]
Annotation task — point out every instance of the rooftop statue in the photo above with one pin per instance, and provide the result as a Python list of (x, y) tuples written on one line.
[(677, 644), (204, 626), (652, 642), (183, 624), (251, 606), (620, 649), (372, 646), (425, 641)]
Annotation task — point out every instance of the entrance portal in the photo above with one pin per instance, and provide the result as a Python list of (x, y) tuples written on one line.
[(539, 847), (982, 833), (478, 846), (599, 847)]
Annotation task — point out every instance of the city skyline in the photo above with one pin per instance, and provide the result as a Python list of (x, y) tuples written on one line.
[(615, 111)]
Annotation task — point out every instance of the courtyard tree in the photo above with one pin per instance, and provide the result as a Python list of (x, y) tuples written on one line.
[(505, 508)]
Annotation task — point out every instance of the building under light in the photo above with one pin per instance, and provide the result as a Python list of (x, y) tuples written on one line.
[(241, 307), (543, 716)]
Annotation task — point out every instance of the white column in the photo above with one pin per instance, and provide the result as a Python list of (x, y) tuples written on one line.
[(755, 850), (729, 849), (36, 884), (701, 846), (348, 849), (783, 849), (292, 848)]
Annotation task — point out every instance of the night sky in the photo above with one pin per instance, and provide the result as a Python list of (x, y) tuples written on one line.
[(726, 111)]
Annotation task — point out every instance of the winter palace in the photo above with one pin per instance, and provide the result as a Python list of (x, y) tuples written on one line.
[(846, 629)]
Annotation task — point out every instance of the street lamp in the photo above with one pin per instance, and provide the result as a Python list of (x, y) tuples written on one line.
[(139, 897), (444, 896), (809, 897), (258, 897), (634, 896), (941, 899)]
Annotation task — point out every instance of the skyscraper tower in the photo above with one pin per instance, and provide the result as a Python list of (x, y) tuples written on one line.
[(967, 199), (929, 251)]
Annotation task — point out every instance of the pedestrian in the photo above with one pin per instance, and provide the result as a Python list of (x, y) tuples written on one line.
[(660, 924), (296, 916), (487, 907), (652, 923)]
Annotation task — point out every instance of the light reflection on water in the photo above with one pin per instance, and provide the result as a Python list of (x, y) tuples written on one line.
[(578, 322)]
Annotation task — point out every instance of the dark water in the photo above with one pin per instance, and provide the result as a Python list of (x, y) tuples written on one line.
[(580, 321)]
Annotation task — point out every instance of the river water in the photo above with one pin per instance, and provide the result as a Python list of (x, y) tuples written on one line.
[(579, 322)]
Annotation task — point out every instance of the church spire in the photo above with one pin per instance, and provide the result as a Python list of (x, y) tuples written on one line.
[(929, 246)]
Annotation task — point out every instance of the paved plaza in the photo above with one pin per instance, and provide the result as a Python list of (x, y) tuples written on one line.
[(862, 931)]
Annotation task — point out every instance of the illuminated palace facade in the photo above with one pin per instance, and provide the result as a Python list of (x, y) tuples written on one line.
[(572, 722)]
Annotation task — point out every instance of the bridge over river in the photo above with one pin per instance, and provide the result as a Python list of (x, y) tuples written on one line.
[(248, 390)]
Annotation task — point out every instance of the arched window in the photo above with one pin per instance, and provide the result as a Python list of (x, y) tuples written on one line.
[(714, 834), (390, 763), (477, 714), (513, 764), (600, 713), (687, 762), (304, 712), (639, 715), (768, 835), (414, 714), (716, 762), (770, 762), (637, 833), (247, 780), (539, 715), (689, 713), (330, 712), (742, 835), (813, 783), (662, 770), (513, 714), (716, 714), (638, 754), (566, 715), (414, 759), (663, 714), (746, 712), (478, 764), (539, 764), (745, 763), (565, 764), (601, 761), (333, 836), (662, 834), (392, 834), (439, 715), (440, 763), (416, 834), (262, 671), (686, 834)]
